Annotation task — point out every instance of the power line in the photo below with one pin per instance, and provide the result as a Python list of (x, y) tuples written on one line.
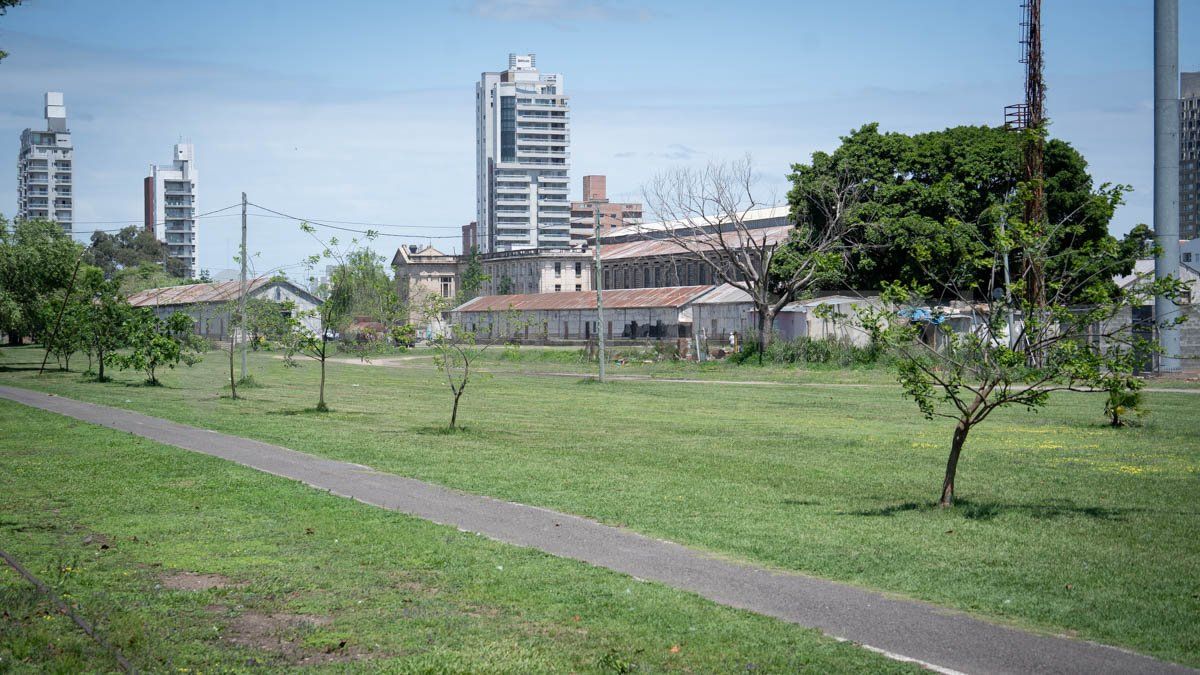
[(353, 222), (206, 214), (313, 221)]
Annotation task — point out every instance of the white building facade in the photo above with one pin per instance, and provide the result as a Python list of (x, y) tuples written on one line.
[(45, 168), (522, 138), (173, 205)]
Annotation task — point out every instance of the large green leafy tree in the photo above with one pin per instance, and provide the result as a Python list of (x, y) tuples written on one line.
[(36, 262), (131, 248), (931, 204)]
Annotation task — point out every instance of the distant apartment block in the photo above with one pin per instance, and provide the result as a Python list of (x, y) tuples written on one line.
[(44, 168), (522, 140), (1189, 156), (170, 207), (470, 237), (595, 204)]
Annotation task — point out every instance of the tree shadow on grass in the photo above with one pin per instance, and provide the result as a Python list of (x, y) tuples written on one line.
[(147, 384), (298, 411), (987, 510), (10, 368)]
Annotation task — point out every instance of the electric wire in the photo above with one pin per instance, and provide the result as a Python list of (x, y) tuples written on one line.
[(313, 221)]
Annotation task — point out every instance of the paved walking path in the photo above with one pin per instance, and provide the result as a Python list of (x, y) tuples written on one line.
[(939, 638)]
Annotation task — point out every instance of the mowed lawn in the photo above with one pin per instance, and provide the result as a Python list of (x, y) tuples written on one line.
[(1064, 524), (189, 563)]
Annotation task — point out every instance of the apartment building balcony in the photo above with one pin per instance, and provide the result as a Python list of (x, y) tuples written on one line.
[(558, 141), (529, 117), (511, 200), (556, 105), (62, 165), (557, 151), (36, 203), (38, 180)]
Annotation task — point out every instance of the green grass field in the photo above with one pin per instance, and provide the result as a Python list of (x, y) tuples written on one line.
[(191, 564), (1064, 524)]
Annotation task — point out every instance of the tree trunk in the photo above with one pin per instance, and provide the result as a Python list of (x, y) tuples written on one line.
[(100, 358), (764, 335), (454, 411), (14, 339), (232, 380), (321, 407), (956, 446)]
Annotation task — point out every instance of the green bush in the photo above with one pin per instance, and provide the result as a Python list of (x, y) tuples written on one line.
[(805, 350)]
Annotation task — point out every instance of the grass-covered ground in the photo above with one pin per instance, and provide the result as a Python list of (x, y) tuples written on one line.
[(191, 564), (1064, 524)]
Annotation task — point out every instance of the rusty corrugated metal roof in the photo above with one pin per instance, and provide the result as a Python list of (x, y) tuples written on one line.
[(653, 247), (627, 298), (190, 294)]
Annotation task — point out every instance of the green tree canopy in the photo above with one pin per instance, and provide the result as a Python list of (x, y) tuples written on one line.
[(131, 247), (930, 203), (36, 261)]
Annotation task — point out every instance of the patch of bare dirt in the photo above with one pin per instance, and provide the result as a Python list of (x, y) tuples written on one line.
[(194, 581), (281, 635)]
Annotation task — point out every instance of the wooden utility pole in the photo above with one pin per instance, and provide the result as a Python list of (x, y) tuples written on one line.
[(242, 297), (598, 282)]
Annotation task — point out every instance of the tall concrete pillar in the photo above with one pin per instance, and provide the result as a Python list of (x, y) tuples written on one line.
[(1166, 171)]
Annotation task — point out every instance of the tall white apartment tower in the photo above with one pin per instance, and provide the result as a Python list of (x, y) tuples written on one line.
[(521, 137), (171, 199), (44, 168)]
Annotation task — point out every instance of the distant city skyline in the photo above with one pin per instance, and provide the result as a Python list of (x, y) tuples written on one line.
[(323, 114)]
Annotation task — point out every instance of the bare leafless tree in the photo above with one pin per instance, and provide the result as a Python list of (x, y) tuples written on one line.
[(707, 214)]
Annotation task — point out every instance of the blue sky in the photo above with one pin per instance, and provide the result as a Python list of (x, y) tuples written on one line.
[(363, 111)]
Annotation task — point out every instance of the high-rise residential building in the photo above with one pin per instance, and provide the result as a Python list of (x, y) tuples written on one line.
[(522, 137), (595, 202), (1189, 156), (44, 168), (170, 194)]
